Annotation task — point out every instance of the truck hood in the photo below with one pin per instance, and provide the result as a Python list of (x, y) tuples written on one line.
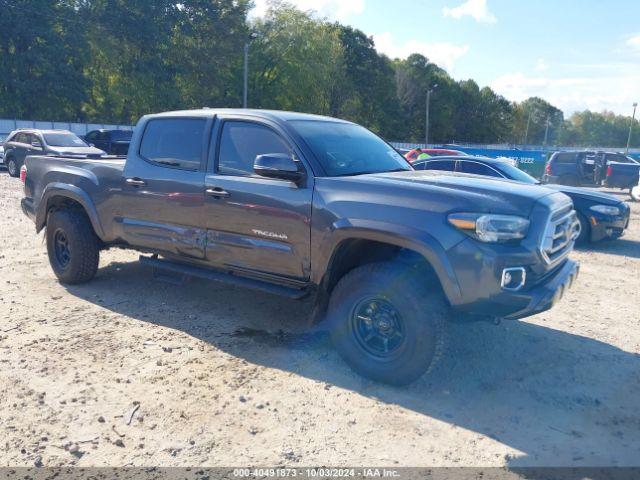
[(76, 151), (586, 194), (483, 193)]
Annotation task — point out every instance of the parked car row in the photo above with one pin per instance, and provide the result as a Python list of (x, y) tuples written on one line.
[(601, 216), (24, 142)]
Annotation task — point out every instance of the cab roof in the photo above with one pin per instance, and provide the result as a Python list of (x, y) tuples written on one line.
[(279, 115)]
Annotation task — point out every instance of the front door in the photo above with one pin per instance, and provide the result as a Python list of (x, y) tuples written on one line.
[(160, 205), (254, 224)]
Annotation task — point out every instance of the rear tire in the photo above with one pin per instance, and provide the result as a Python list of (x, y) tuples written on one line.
[(72, 245), (12, 167), (388, 321)]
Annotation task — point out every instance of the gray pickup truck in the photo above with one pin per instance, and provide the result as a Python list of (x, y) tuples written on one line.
[(299, 205)]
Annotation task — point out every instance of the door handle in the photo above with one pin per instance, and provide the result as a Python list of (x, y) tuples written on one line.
[(138, 182), (217, 192)]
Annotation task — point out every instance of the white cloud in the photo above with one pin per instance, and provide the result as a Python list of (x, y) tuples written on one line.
[(476, 9), (614, 91), (333, 9), (633, 42), (444, 54), (541, 65)]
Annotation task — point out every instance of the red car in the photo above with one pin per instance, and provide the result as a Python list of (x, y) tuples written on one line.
[(432, 152)]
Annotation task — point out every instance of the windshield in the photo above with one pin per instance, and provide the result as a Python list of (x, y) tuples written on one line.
[(63, 140), (514, 173), (348, 149)]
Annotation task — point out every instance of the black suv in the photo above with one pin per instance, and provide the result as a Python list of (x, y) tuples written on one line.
[(24, 142), (114, 142)]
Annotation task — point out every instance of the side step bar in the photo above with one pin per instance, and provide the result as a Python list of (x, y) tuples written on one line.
[(216, 276)]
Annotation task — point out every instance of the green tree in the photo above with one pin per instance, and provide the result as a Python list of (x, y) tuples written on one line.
[(130, 68), (41, 60), (536, 112), (296, 63), (207, 52), (368, 92)]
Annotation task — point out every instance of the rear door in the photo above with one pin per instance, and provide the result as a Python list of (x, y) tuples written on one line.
[(161, 199), (254, 224), (20, 147)]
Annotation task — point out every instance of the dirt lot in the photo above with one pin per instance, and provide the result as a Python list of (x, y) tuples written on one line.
[(224, 376)]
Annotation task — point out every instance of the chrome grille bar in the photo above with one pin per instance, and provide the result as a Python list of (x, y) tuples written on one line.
[(560, 235)]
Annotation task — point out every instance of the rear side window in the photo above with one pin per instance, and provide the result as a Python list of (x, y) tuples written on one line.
[(448, 165), (174, 142), (242, 142), (478, 169), (565, 158), (20, 138)]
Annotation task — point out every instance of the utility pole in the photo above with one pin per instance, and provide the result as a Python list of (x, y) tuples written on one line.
[(426, 125), (245, 92), (526, 132), (546, 132), (633, 120), (246, 75)]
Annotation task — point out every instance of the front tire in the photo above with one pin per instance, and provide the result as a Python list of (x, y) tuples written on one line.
[(72, 246), (388, 321), (12, 167), (585, 230)]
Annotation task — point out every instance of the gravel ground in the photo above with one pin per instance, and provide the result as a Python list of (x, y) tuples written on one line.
[(128, 371)]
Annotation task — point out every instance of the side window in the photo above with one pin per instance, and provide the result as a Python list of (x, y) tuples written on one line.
[(448, 165), (90, 137), (102, 136), (174, 142), (21, 138), (565, 158), (478, 169), (35, 141), (242, 142)]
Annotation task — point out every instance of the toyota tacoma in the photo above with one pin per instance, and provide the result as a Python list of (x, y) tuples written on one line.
[(302, 205)]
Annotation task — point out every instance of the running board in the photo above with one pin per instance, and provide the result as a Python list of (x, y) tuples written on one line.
[(216, 276)]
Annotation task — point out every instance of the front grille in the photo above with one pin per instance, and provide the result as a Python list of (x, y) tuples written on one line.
[(560, 234)]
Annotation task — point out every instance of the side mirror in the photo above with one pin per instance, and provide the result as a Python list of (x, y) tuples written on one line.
[(278, 165), (36, 145)]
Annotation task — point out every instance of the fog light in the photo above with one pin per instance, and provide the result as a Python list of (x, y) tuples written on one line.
[(513, 278)]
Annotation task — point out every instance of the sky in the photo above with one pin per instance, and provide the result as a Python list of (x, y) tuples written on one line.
[(576, 54)]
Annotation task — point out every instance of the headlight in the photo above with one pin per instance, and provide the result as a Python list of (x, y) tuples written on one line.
[(606, 209), (491, 228)]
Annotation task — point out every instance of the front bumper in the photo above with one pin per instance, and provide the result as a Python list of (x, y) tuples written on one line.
[(608, 226), (545, 295)]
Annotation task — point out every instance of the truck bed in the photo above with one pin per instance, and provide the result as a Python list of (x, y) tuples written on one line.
[(623, 175)]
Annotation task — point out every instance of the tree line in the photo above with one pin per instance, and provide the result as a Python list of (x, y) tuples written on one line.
[(114, 60)]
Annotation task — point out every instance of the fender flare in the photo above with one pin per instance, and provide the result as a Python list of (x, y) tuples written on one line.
[(58, 189), (399, 235)]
